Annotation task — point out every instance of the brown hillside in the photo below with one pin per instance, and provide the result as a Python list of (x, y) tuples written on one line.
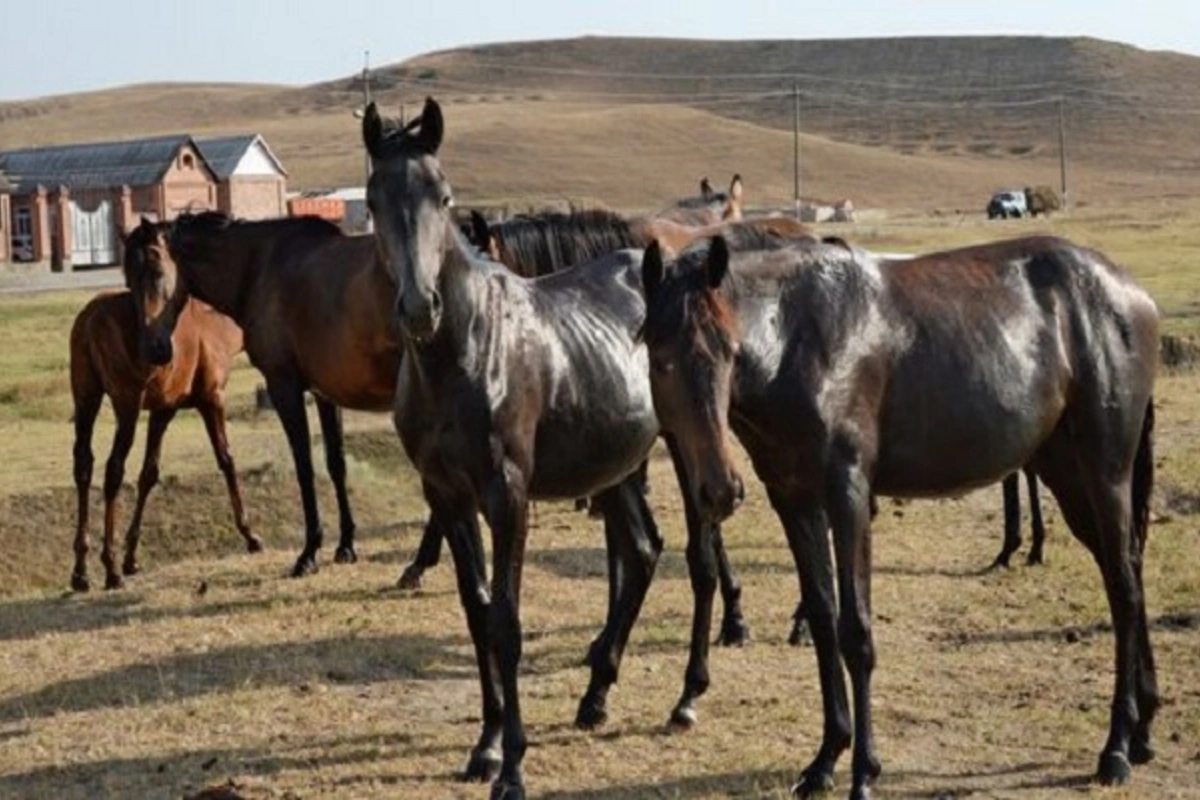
[(909, 122)]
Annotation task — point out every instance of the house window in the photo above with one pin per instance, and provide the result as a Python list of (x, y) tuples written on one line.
[(22, 234), (189, 162)]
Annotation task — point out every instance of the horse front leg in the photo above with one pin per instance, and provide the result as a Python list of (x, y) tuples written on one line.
[(114, 473), (159, 420), (734, 630), (287, 396), (850, 518), (806, 527), (506, 509), (87, 405), (335, 460), (461, 531), (702, 571), (214, 422)]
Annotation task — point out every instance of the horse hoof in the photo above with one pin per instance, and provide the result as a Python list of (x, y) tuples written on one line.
[(1140, 751), (411, 578), (860, 793), (345, 554), (684, 717), (113, 581), (591, 714), (483, 766), (812, 784), (800, 634), (305, 565), (1114, 769), (1034, 559), (1000, 563), (131, 568), (80, 583), (254, 545), (734, 633), (502, 790)]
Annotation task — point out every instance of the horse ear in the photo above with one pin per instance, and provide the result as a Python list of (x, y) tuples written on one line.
[(652, 270), (432, 126), (479, 230), (146, 223), (735, 188), (706, 190), (372, 130), (717, 266)]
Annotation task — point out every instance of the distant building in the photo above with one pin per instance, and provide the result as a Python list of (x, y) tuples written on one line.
[(69, 204)]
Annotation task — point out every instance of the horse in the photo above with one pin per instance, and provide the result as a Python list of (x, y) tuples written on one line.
[(514, 389), (188, 369), (314, 305), (1012, 520), (709, 207), (843, 375)]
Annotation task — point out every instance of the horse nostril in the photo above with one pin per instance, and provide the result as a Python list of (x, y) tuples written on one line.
[(435, 303), (739, 490)]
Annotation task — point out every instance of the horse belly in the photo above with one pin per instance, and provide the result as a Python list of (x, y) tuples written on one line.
[(576, 457), (955, 450)]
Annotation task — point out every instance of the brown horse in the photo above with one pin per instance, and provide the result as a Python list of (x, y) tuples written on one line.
[(188, 370), (844, 375), (317, 311)]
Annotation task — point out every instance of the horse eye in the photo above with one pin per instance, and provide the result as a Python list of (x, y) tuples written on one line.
[(447, 202), (663, 366)]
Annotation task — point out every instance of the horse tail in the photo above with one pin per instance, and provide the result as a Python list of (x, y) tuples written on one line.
[(1143, 479)]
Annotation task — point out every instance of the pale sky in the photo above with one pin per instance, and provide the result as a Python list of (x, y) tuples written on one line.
[(60, 46)]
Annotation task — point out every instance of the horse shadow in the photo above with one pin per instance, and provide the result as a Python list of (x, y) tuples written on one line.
[(350, 659), (73, 613)]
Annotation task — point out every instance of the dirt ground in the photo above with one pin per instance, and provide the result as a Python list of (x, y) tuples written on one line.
[(213, 668)]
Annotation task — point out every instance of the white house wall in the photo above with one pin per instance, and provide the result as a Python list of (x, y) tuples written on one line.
[(256, 162)]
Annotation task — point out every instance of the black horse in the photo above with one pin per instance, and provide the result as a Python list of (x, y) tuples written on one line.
[(843, 376), (512, 389)]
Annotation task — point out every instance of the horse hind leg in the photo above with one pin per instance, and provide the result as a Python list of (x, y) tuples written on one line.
[(429, 552), (88, 396), (1098, 512), (1037, 525), (159, 420), (635, 545), (1012, 521), (214, 423), (335, 461)]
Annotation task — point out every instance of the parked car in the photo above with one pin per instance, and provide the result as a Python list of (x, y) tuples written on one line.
[(1009, 203)]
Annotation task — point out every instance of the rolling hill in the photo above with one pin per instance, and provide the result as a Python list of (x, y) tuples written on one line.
[(914, 123)]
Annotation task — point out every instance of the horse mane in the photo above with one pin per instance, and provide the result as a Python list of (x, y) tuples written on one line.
[(192, 235), (537, 244)]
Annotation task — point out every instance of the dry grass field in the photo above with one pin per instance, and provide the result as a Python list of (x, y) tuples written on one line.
[(340, 686)]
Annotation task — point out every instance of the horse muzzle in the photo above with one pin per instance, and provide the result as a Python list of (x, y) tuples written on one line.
[(721, 497), (420, 320)]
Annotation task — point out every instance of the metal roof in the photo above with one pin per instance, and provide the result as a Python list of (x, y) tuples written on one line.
[(93, 166), (224, 152)]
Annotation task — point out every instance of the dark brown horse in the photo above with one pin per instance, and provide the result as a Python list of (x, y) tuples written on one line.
[(513, 389), (316, 309), (187, 370), (843, 376)]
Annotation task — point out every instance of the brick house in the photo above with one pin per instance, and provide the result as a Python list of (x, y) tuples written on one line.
[(70, 203), (251, 183)]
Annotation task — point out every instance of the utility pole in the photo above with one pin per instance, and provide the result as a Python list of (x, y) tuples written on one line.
[(1062, 151), (796, 146)]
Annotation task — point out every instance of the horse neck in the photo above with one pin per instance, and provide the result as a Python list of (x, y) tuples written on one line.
[(463, 286), (223, 274)]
